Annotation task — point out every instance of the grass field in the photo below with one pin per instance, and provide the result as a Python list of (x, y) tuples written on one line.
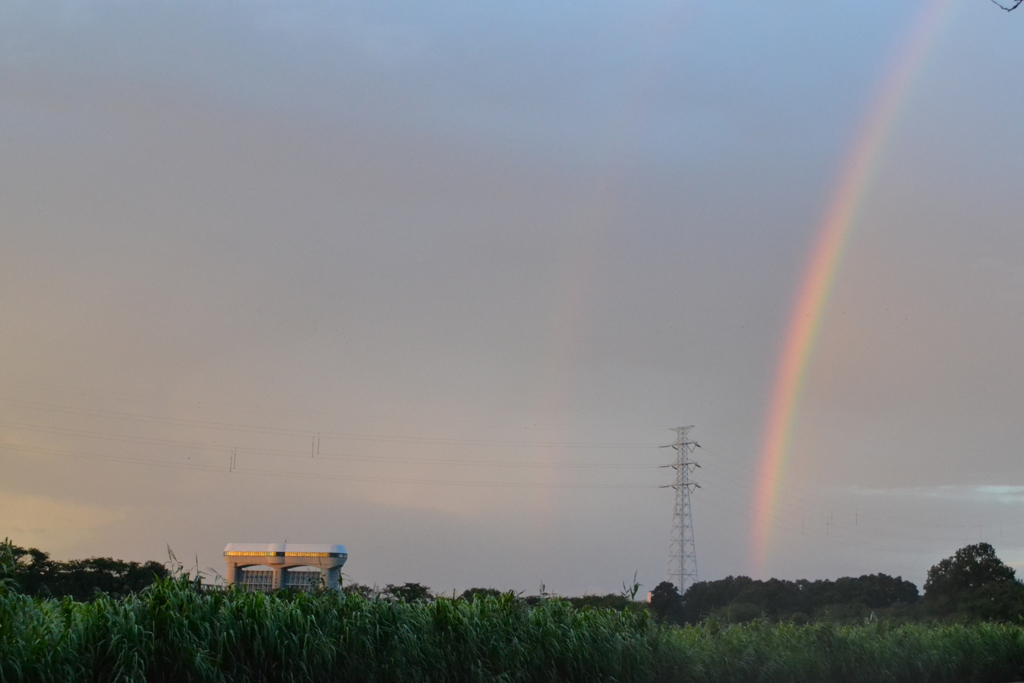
[(173, 633)]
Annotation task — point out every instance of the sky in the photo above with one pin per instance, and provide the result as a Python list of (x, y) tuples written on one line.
[(436, 280)]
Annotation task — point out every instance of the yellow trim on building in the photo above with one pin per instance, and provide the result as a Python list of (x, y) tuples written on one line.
[(252, 553), (308, 554)]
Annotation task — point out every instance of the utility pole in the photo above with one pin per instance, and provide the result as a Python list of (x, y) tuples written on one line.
[(682, 561)]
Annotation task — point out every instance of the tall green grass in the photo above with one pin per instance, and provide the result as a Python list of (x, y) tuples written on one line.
[(171, 632)]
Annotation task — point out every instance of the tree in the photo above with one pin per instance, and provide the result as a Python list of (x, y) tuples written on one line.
[(32, 572), (872, 590), (8, 564), (1000, 601), (703, 598), (666, 602), (471, 594), (616, 601), (82, 578), (408, 592), (368, 592), (969, 569)]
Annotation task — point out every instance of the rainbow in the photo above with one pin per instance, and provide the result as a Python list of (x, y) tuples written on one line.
[(820, 274)]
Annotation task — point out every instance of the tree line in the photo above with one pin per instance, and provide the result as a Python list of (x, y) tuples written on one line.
[(972, 584), (32, 572)]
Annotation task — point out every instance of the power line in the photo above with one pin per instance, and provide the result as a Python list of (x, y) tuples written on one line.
[(136, 398), (798, 510), (194, 445), (308, 433), (232, 467)]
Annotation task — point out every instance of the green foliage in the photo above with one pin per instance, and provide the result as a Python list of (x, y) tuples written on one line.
[(666, 603), (7, 567), (1000, 601), (739, 613), (407, 592), (970, 568), (738, 599), (763, 631), (172, 632), (760, 651), (360, 589), (974, 584), (34, 573), (615, 601), (473, 593)]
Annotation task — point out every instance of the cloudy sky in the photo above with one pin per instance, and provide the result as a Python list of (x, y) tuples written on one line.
[(435, 280)]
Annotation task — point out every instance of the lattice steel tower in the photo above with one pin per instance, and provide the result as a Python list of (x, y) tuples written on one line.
[(682, 560)]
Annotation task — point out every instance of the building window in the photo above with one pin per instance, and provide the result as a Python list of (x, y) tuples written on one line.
[(303, 579), (258, 578)]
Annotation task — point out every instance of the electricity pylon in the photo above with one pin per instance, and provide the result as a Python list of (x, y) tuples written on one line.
[(682, 560)]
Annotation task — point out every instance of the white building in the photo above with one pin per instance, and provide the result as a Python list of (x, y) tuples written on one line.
[(270, 566)]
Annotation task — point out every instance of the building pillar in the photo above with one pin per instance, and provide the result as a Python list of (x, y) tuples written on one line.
[(234, 573), (331, 578), (280, 578)]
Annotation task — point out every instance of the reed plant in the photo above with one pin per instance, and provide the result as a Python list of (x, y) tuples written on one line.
[(173, 632)]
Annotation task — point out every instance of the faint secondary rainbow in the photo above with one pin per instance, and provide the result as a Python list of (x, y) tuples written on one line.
[(820, 274)]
